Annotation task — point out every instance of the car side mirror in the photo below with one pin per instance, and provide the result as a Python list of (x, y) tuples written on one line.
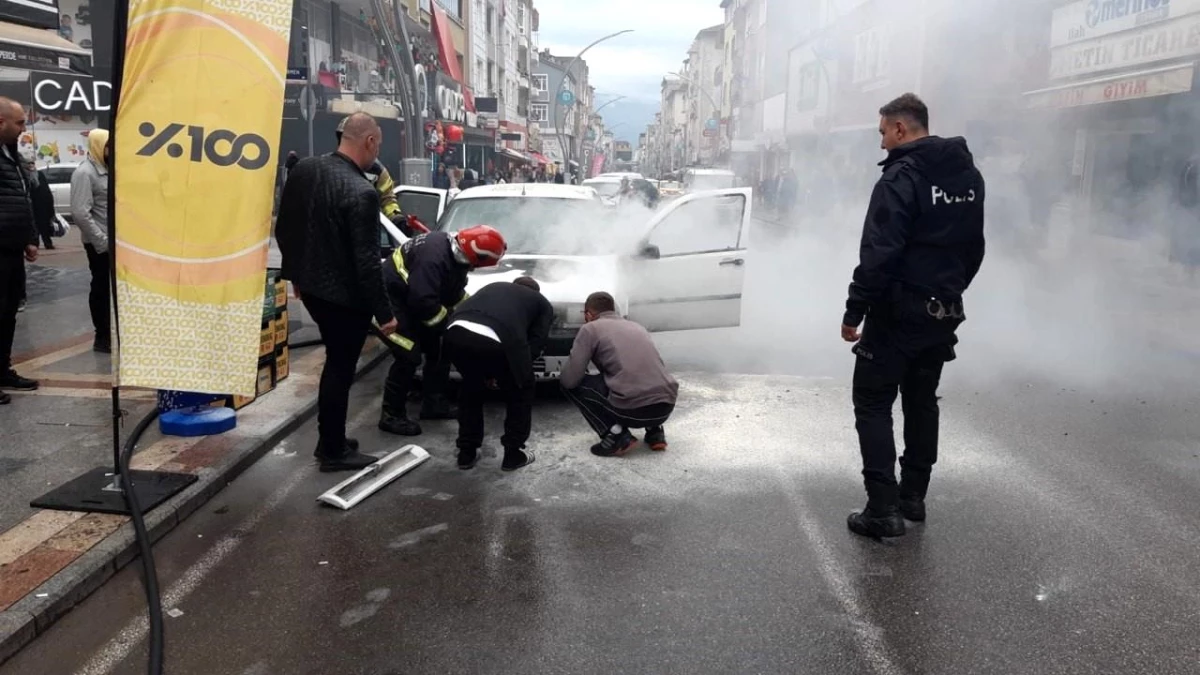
[(650, 251)]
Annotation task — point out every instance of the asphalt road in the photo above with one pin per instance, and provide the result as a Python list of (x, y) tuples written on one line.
[(1062, 535), (1062, 539)]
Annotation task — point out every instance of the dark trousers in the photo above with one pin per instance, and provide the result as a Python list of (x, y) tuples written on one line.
[(12, 290), (98, 296), (344, 332), (591, 396), (876, 383), (479, 359), (420, 341)]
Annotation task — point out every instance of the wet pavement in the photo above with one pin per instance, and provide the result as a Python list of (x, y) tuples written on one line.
[(1061, 539), (1062, 535)]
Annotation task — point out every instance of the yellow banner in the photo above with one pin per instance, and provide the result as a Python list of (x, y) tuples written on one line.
[(197, 134)]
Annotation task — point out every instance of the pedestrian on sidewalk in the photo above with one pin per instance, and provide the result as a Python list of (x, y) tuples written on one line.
[(632, 391), (18, 241), (495, 335), (89, 209), (43, 201), (922, 244), (328, 234)]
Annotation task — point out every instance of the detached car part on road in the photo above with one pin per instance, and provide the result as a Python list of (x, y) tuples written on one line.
[(682, 268)]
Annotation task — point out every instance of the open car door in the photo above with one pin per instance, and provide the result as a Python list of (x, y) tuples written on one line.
[(691, 265), (426, 203)]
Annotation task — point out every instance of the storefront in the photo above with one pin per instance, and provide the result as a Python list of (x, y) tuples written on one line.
[(1122, 90), (42, 67)]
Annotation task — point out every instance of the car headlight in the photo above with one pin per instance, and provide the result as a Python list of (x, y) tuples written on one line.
[(569, 315)]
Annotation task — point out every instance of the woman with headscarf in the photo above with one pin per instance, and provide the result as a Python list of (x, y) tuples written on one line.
[(89, 208)]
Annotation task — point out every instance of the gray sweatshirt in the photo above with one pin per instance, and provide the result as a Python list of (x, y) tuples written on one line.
[(625, 354), (89, 203)]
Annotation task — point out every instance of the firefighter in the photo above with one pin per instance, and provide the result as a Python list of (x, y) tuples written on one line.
[(378, 174), (425, 280), (922, 245)]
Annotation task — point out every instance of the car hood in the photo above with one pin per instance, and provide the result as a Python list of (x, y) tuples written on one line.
[(564, 279)]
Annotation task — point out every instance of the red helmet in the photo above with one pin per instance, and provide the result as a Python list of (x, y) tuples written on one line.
[(482, 245)]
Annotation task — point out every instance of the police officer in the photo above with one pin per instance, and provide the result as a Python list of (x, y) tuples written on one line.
[(378, 174), (425, 280), (922, 244)]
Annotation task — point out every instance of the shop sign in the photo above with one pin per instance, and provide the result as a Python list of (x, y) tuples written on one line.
[(22, 57), (69, 95), (36, 13), (1174, 39), (1144, 85), (1089, 19), (451, 105)]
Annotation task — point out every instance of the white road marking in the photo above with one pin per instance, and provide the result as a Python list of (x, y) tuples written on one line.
[(868, 636), (118, 649)]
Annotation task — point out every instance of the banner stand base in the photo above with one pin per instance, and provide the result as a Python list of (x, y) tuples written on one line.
[(100, 491)]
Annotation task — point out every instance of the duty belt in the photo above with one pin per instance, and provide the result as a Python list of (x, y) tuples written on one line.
[(941, 310)]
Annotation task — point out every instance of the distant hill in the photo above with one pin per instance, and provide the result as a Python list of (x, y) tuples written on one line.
[(633, 116)]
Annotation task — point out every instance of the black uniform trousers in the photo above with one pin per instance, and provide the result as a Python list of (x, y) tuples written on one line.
[(12, 290), (904, 360), (100, 293), (591, 397), (418, 341), (480, 359), (344, 332)]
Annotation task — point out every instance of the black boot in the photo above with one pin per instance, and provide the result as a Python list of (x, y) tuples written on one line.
[(102, 345), (877, 523), (913, 485), (516, 458), (399, 425), (438, 408)]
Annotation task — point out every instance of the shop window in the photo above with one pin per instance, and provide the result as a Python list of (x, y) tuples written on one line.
[(871, 56)]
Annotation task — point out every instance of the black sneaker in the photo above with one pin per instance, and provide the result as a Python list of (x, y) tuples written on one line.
[(400, 426), (11, 380), (516, 459), (5, 399), (349, 461), (876, 524), (913, 508), (656, 438), (614, 445), (467, 459), (102, 347)]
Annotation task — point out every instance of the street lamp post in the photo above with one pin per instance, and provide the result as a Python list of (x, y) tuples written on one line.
[(562, 85)]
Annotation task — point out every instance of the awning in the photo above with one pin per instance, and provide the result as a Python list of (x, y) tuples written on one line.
[(540, 158), (35, 49), (1162, 81), (513, 154)]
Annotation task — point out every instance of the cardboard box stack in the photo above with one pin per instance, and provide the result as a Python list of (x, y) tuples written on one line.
[(273, 357)]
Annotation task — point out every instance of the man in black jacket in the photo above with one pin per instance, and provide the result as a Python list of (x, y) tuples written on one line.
[(18, 240), (922, 244), (425, 280), (328, 233), (496, 335)]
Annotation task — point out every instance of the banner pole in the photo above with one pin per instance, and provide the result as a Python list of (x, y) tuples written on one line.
[(120, 32)]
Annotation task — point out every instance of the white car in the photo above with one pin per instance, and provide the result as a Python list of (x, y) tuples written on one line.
[(683, 269), (605, 186), (59, 178)]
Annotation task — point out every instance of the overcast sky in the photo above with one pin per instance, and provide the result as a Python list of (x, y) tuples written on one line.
[(634, 64)]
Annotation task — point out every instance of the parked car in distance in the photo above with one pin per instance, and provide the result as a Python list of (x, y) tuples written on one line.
[(59, 178)]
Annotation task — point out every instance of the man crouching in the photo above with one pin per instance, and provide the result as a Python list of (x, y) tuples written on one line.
[(632, 391)]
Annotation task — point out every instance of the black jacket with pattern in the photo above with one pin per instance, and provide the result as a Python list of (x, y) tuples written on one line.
[(17, 229), (328, 233)]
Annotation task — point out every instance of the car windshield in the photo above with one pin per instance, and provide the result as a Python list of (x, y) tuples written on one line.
[(537, 225), (604, 188)]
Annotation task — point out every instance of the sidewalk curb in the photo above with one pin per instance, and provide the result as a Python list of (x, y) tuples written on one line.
[(31, 616)]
